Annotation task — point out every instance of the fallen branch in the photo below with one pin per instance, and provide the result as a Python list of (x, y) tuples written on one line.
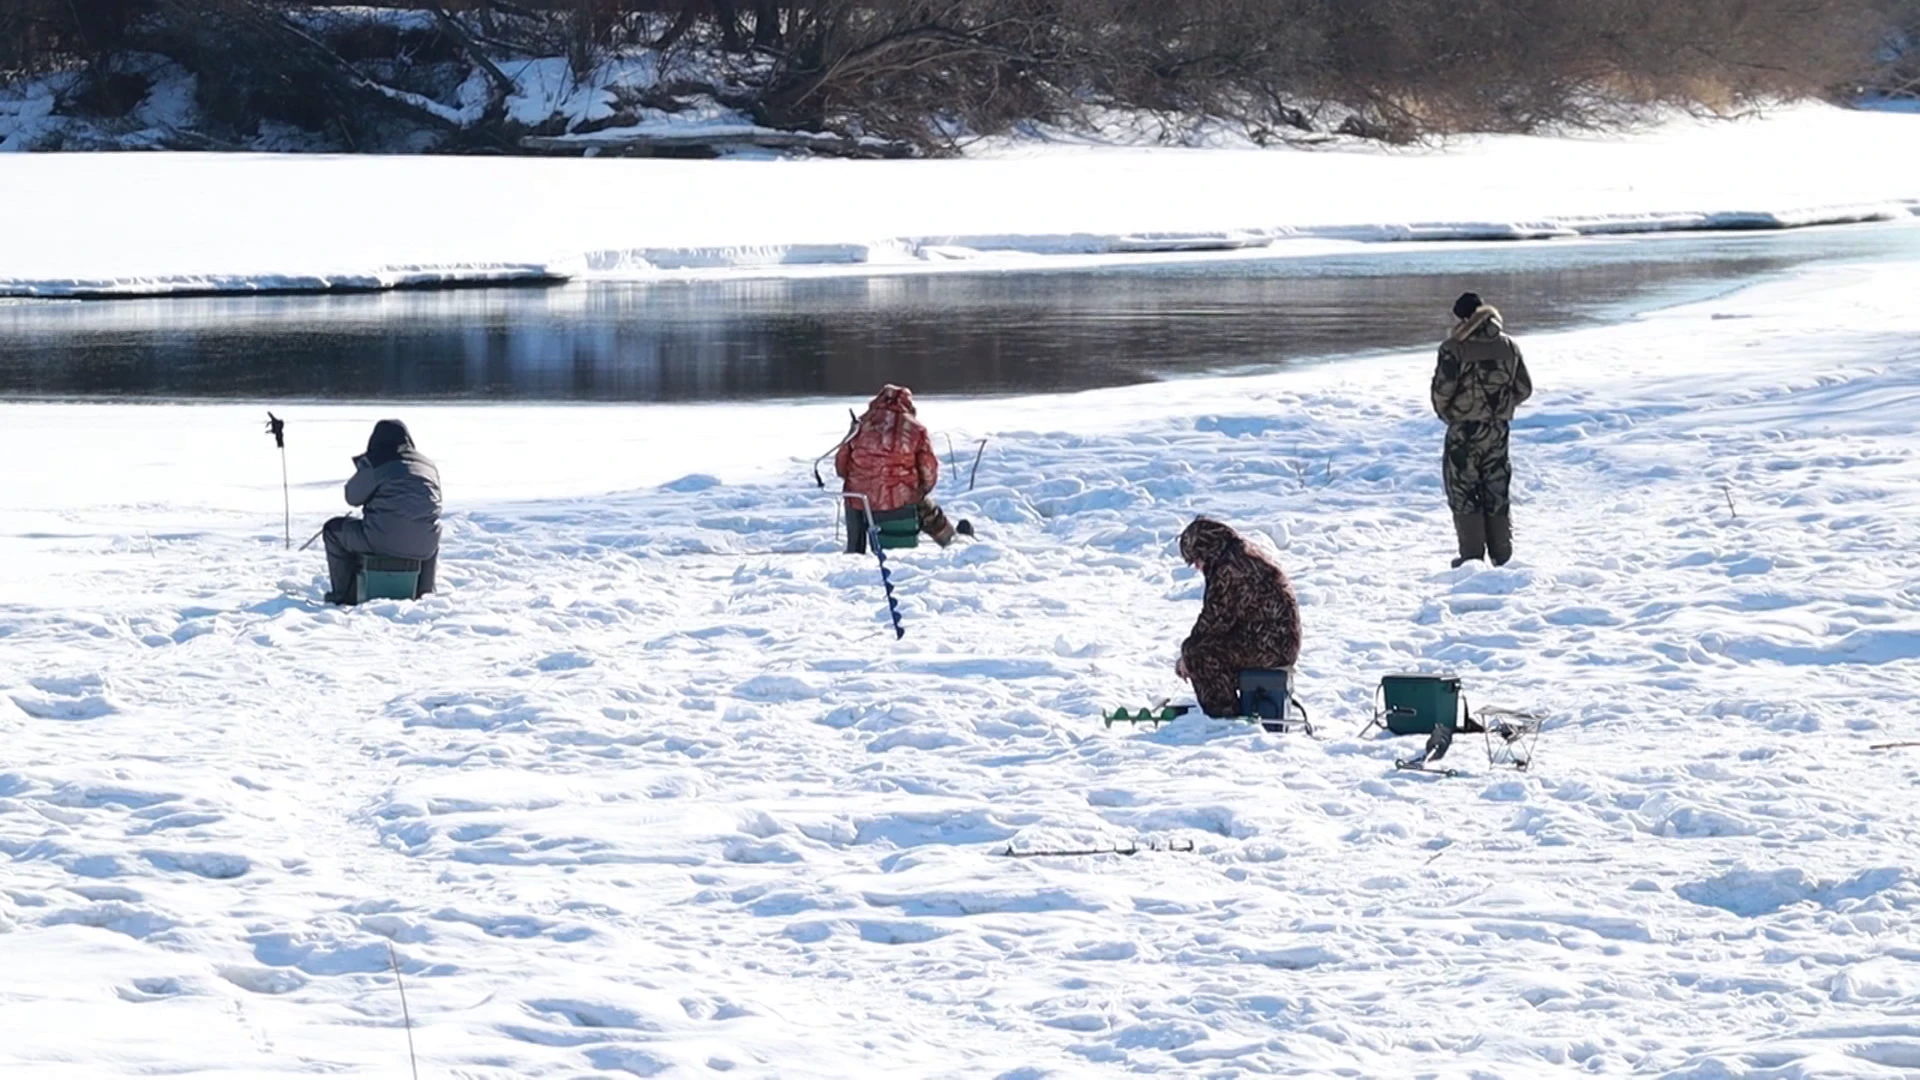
[(1892, 745), (503, 87), (405, 1013), (1131, 849), (669, 144), (295, 39)]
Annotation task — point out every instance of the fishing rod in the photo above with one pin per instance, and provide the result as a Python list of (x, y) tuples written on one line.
[(277, 428), (853, 425)]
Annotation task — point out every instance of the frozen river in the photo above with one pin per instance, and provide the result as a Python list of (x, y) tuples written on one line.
[(969, 333)]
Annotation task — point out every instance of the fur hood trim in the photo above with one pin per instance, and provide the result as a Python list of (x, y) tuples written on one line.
[(1485, 318)]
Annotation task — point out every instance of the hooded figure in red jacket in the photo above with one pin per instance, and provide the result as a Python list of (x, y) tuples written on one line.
[(890, 460)]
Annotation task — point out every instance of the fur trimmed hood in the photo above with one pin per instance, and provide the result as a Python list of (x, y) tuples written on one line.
[(1483, 323)]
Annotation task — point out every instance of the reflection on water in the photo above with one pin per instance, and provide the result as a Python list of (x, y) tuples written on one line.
[(968, 333)]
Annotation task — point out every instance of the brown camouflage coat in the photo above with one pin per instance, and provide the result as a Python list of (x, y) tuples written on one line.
[(1249, 617), (1479, 381)]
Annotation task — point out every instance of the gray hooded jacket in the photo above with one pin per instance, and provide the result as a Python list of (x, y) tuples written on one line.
[(398, 489)]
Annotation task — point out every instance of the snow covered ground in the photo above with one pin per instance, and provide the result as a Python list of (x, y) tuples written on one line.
[(172, 222), (650, 789)]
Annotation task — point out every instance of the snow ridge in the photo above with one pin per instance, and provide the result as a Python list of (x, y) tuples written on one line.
[(157, 224), (649, 263), (377, 279)]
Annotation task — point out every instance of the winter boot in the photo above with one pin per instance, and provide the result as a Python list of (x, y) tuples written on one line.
[(1471, 530), (856, 531), (933, 522), (1499, 539)]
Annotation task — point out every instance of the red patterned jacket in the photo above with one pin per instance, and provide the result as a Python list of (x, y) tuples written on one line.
[(889, 458)]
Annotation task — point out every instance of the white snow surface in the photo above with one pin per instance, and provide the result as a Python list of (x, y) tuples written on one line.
[(161, 223), (650, 789)]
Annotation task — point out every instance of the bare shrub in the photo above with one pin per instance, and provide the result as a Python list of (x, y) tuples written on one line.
[(1896, 70), (931, 72), (1397, 68)]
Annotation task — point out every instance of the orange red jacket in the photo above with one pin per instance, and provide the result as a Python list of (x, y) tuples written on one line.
[(889, 457)]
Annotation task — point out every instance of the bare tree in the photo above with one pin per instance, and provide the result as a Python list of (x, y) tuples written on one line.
[(929, 72)]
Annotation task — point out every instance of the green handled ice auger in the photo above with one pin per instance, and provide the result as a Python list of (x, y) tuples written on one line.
[(1146, 716)]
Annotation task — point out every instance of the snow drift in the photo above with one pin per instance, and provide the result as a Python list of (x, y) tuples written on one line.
[(127, 224)]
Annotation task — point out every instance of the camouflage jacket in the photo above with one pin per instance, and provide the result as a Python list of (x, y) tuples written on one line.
[(1249, 607), (1481, 375), (889, 458)]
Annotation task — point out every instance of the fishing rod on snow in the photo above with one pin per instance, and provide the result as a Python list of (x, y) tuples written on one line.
[(976, 464), (953, 462)]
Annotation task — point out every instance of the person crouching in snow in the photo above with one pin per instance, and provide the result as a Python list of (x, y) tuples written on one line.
[(1248, 620), (398, 491), (890, 460)]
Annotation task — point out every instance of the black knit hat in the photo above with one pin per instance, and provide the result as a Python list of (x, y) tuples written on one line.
[(1468, 303)]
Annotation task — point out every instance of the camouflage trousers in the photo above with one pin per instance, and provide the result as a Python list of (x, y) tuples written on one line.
[(1214, 664), (1478, 473)]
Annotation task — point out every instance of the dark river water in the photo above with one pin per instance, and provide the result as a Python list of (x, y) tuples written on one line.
[(975, 333)]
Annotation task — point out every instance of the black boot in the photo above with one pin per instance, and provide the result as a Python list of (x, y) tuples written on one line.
[(856, 531), (1499, 539), (1471, 531), (964, 527)]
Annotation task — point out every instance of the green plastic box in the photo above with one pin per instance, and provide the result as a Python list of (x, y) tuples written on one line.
[(898, 528), (384, 577), (1415, 704)]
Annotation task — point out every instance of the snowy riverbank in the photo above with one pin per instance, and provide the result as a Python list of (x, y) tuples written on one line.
[(650, 790), (170, 222)]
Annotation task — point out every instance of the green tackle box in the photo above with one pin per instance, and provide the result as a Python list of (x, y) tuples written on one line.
[(384, 577), (1416, 704), (898, 528)]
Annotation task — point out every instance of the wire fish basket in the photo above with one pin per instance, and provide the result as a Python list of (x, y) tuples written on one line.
[(1511, 735)]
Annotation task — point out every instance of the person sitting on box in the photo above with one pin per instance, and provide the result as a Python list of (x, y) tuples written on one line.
[(398, 490), (889, 459), (1248, 620)]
